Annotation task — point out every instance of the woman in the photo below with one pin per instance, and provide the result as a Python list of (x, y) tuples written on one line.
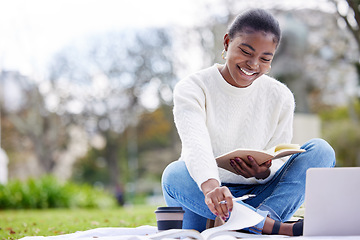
[(236, 105)]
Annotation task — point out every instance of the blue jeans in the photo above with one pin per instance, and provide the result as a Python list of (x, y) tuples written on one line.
[(278, 199)]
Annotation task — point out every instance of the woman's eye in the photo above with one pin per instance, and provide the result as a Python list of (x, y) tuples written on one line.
[(245, 52), (266, 60)]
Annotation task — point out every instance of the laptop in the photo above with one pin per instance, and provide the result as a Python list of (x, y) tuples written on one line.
[(332, 202)]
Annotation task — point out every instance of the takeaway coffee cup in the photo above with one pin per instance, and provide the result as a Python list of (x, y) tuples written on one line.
[(169, 218)]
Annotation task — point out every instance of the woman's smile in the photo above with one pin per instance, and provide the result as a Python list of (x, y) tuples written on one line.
[(246, 77), (248, 73)]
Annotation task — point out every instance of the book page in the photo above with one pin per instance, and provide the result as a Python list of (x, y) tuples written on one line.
[(260, 156), (176, 234), (287, 152), (241, 217)]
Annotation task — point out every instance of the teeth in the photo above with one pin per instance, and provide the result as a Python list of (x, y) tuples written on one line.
[(247, 73)]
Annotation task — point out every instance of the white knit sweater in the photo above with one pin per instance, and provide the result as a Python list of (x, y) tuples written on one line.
[(213, 117)]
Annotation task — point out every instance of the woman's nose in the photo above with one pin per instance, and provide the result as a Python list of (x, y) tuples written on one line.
[(253, 63)]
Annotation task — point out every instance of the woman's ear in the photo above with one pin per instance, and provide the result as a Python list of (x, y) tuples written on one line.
[(226, 41)]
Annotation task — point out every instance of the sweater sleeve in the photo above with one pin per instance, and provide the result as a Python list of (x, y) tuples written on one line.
[(190, 120)]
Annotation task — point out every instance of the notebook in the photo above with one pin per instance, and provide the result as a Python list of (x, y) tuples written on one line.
[(332, 202)]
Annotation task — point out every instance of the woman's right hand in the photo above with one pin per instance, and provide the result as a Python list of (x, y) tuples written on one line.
[(214, 194)]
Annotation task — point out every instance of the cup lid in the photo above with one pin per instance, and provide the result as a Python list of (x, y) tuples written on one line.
[(169, 210)]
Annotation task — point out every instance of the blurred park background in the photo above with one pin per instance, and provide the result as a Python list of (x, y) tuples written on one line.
[(86, 86)]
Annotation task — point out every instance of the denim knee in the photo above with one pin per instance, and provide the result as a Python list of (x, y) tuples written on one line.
[(173, 172), (323, 153)]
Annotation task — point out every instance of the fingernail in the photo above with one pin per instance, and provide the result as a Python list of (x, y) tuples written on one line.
[(216, 214), (223, 218), (230, 210)]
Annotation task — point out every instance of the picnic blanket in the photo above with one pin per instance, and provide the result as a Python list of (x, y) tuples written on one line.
[(150, 232), (107, 233), (241, 217)]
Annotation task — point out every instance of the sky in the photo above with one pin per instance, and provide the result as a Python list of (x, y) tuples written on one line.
[(33, 30)]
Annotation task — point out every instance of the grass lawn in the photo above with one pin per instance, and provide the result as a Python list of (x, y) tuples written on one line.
[(15, 224)]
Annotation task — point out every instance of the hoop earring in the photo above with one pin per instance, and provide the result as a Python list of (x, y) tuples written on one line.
[(223, 54), (268, 70)]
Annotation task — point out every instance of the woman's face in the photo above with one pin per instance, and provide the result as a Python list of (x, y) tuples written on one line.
[(249, 55)]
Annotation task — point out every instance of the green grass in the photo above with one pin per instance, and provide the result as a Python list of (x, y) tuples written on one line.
[(15, 224)]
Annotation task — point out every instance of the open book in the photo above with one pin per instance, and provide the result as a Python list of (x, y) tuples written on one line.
[(260, 156), (241, 217)]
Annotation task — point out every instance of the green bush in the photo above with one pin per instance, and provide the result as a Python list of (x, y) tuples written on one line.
[(343, 133), (48, 192), (344, 136)]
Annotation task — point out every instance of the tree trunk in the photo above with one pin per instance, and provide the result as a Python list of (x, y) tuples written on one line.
[(111, 158)]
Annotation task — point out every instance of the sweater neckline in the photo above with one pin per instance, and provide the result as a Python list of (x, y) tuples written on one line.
[(227, 87)]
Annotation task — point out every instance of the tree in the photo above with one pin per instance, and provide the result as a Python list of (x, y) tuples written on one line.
[(349, 11), (99, 83), (35, 128)]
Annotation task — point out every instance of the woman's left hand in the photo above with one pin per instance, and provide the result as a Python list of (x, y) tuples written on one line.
[(253, 169)]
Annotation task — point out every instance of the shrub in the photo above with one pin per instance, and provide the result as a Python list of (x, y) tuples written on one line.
[(344, 136), (341, 130), (48, 192)]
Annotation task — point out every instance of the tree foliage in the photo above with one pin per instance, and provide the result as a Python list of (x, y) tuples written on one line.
[(343, 134), (349, 11), (34, 127), (107, 76)]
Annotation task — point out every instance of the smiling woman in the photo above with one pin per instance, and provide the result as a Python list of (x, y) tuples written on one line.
[(236, 105)]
